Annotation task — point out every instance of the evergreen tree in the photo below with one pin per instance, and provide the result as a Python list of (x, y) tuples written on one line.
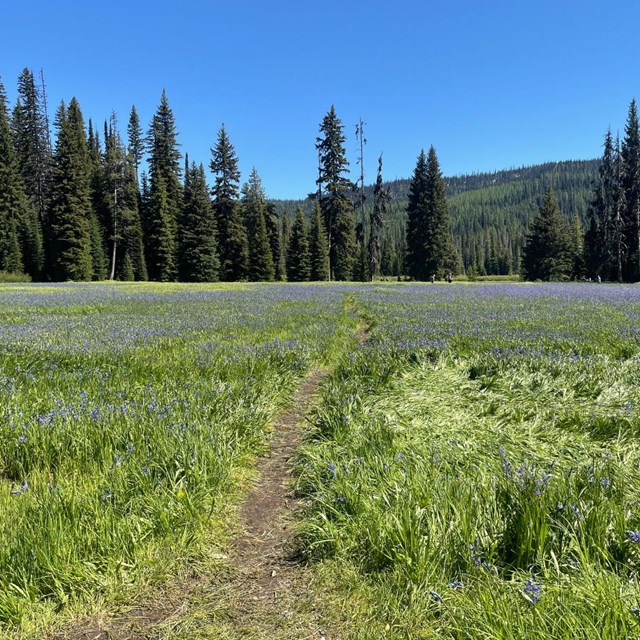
[(31, 141), (198, 250), (233, 243), (160, 240), (548, 252), (100, 203), (335, 201), (318, 247), (261, 267), (273, 233), (429, 244), (20, 234), (137, 142), (298, 259), (71, 212), (381, 197), (387, 258), (165, 192), (601, 239), (630, 155), (120, 205), (576, 236), (130, 264)]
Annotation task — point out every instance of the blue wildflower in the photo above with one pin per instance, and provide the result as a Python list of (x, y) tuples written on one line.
[(533, 590), (634, 536)]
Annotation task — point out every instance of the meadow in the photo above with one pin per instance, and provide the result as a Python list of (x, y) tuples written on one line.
[(129, 420), (471, 469)]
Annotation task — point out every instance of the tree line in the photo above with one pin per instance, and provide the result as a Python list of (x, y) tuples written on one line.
[(85, 209), (93, 207)]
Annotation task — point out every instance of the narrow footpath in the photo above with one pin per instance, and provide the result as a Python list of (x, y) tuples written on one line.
[(264, 592)]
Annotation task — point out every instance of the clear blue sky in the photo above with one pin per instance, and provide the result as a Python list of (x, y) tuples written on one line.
[(491, 85)]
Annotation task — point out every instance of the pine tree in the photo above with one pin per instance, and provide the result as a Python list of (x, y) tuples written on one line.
[(160, 240), (71, 212), (577, 235), (165, 193), (336, 204), (298, 259), (100, 203), (381, 196), (429, 244), (130, 264), (318, 247), (548, 252), (198, 250), (273, 233), (233, 243), (601, 239), (20, 235), (261, 267), (120, 209)]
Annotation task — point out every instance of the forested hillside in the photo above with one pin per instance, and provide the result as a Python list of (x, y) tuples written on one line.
[(489, 212)]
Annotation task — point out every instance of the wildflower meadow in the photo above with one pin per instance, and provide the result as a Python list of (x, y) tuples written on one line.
[(471, 468)]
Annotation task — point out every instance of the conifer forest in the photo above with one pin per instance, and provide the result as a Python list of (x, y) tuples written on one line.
[(83, 200)]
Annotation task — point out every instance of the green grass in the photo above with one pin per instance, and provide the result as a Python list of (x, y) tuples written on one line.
[(471, 490), (130, 416), (471, 471)]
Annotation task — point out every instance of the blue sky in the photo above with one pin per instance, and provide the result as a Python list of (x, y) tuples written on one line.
[(491, 85)]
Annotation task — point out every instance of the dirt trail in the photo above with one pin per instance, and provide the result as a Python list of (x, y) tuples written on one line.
[(268, 575), (261, 598), (265, 592)]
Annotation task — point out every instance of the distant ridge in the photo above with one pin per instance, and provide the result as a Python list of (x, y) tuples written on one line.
[(490, 211)]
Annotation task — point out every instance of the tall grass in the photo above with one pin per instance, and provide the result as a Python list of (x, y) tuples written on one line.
[(473, 471), (128, 417)]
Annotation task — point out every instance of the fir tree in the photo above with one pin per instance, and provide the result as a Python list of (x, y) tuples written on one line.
[(630, 156), (576, 236), (166, 193), (31, 141), (160, 240), (233, 243), (273, 233), (381, 197), (336, 204), (100, 203), (261, 267), (601, 238), (198, 250), (137, 143), (71, 211), (318, 247), (130, 264), (429, 244), (298, 259), (20, 236), (548, 252), (121, 217)]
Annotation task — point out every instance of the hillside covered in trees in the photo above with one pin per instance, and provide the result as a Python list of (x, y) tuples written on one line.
[(489, 212)]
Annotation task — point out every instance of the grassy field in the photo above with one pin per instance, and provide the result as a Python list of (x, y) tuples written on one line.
[(472, 469), (129, 417)]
